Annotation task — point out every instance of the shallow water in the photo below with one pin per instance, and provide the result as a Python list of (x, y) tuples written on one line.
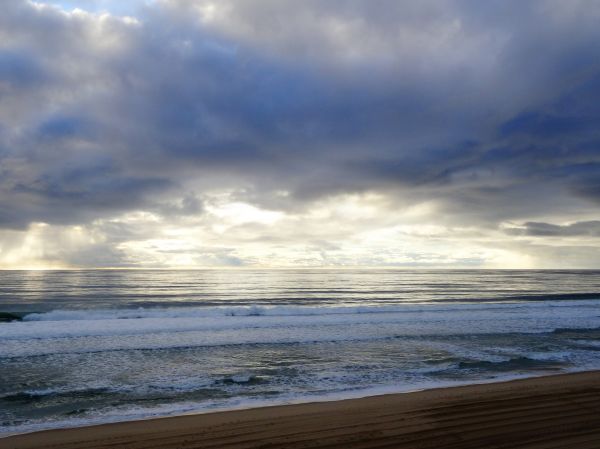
[(98, 346)]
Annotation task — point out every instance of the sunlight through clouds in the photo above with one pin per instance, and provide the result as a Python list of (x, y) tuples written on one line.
[(180, 133)]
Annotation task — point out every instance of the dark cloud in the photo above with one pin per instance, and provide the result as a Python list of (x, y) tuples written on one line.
[(540, 229), (19, 71), (490, 109)]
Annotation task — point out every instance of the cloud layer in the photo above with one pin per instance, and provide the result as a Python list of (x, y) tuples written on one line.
[(194, 133)]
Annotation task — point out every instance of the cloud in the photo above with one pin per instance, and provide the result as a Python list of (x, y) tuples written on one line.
[(577, 229), (479, 114)]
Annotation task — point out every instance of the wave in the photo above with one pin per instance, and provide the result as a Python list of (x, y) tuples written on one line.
[(427, 320), (79, 418), (234, 311), (37, 395), (74, 331), (242, 379), (513, 364), (211, 312), (7, 317), (300, 310)]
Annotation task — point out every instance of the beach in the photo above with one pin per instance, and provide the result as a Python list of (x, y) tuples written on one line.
[(559, 411)]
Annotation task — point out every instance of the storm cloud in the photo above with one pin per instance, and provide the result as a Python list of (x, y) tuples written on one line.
[(458, 117)]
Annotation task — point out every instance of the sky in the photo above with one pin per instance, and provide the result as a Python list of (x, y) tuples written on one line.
[(273, 133)]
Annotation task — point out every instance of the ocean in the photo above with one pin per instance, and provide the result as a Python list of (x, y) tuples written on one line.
[(95, 346)]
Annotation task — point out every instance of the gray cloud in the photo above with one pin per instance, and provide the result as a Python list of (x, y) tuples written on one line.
[(489, 109), (539, 229)]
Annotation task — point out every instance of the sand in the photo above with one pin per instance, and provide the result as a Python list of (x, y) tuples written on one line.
[(561, 411)]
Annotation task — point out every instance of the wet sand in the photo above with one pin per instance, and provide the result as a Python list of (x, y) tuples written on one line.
[(561, 411)]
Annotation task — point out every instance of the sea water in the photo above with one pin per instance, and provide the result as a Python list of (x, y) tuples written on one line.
[(83, 347)]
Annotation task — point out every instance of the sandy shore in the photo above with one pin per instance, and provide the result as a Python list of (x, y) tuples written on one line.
[(561, 411)]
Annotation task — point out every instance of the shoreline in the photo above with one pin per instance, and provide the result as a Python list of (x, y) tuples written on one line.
[(371, 392), (341, 422)]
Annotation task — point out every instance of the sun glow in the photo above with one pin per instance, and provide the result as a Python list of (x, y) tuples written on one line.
[(240, 213)]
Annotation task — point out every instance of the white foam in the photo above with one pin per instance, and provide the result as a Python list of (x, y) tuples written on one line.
[(91, 331), (301, 310), (121, 414)]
